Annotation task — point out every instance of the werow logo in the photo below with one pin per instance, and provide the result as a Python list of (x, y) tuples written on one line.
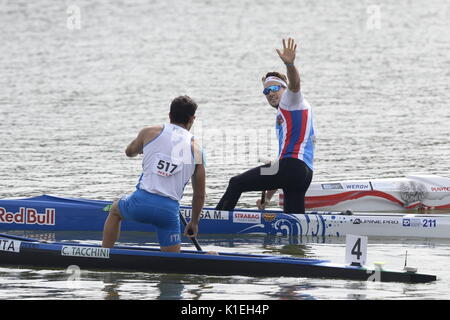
[(358, 186), (28, 216)]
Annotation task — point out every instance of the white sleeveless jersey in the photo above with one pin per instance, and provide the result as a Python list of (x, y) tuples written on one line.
[(168, 162)]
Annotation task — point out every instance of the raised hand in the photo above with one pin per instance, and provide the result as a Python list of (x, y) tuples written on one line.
[(289, 51)]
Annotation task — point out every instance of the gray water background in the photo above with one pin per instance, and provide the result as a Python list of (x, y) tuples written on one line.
[(80, 78)]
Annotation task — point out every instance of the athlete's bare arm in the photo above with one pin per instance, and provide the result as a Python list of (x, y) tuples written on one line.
[(288, 57), (145, 135), (199, 193)]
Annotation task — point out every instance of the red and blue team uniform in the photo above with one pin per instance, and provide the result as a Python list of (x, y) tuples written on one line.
[(295, 129)]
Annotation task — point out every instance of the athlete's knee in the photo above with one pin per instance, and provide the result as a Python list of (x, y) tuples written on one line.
[(234, 182), (115, 211)]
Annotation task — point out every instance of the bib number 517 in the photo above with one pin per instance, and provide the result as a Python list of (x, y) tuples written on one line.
[(165, 166)]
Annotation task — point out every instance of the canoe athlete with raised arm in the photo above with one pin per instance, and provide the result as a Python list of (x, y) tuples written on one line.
[(293, 170)]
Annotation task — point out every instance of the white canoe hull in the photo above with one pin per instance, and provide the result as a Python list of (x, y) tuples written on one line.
[(408, 226), (323, 224), (426, 192)]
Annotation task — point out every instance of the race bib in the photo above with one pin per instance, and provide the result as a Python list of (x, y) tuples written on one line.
[(166, 166)]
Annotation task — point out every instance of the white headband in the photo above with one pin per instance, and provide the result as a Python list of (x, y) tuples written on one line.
[(275, 79)]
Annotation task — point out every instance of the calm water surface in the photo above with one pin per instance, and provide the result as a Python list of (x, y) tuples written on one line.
[(73, 95)]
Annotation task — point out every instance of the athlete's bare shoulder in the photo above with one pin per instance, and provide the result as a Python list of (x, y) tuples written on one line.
[(198, 152), (151, 132)]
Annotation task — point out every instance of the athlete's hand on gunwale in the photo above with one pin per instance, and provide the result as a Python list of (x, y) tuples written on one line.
[(289, 51)]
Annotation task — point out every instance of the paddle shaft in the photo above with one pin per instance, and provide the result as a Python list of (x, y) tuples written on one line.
[(194, 240), (263, 197)]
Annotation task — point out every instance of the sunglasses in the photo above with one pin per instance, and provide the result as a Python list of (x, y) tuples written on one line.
[(267, 90)]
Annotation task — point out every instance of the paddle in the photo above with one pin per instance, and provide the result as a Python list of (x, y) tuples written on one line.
[(194, 240), (263, 199)]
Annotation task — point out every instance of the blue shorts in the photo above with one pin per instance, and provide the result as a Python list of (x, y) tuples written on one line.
[(162, 212)]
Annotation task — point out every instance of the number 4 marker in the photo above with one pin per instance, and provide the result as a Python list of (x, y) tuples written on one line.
[(355, 250)]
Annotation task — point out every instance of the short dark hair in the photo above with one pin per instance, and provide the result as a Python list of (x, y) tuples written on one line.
[(182, 109), (275, 74)]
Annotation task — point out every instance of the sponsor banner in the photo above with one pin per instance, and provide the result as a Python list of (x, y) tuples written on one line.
[(360, 186), (10, 245), (376, 221), (269, 217), (440, 189), (332, 186), (28, 216), (246, 217), (207, 214), (412, 222), (86, 252)]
